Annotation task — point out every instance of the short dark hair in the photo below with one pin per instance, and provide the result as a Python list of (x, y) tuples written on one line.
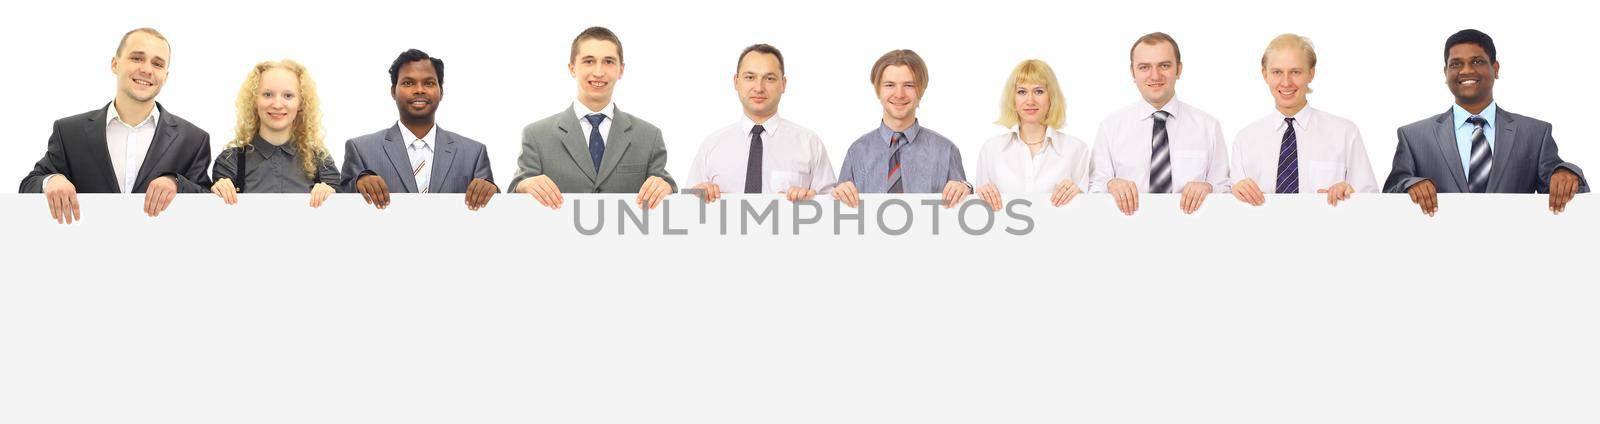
[(1471, 36), (414, 55), (595, 33), (760, 48), (1156, 38)]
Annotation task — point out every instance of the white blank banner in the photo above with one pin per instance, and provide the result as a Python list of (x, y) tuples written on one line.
[(1295, 312)]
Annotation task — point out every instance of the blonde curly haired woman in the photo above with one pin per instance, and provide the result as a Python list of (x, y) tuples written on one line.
[(277, 146)]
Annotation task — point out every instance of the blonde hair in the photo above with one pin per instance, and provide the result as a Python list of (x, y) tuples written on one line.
[(1291, 41), (307, 133), (1032, 71)]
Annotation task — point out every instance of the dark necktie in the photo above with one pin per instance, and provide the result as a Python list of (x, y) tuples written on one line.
[(894, 162), (1289, 160), (597, 145), (1160, 161), (752, 170), (1482, 157)]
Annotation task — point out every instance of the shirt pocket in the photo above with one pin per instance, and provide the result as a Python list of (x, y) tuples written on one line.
[(782, 180), (1188, 165), (630, 168), (1317, 174)]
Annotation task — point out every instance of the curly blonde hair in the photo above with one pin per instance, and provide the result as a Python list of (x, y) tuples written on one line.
[(307, 133)]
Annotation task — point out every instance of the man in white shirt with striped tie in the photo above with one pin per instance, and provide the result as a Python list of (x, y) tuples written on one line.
[(761, 153), (1298, 149), (1158, 145)]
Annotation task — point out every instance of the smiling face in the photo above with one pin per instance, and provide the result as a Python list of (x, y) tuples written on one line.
[(897, 91), (1287, 74), (1470, 74), (760, 83), (417, 91), (278, 100), (596, 67), (1032, 102), (141, 67), (1155, 72)]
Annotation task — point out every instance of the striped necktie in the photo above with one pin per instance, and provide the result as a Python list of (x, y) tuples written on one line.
[(1482, 157), (895, 185), (1160, 161), (1288, 160)]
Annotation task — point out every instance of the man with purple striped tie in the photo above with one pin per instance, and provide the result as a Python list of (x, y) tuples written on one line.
[(1476, 147), (1298, 148)]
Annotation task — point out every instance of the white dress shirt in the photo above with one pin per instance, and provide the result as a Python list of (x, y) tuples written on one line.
[(1194, 144), (791, 156), (583, 112), (1006, 162), (1329, 150), (128, 145), (420, 151)]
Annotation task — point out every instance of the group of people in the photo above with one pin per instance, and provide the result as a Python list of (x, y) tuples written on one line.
[(1157, 145)]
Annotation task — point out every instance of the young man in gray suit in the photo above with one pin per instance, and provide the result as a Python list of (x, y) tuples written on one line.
[(592, 147), (132, 145), (1476, 147), (415, 154)]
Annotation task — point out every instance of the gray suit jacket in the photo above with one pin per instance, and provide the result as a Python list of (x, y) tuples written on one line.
[(456, 161), (1524, 156), (557, 147)]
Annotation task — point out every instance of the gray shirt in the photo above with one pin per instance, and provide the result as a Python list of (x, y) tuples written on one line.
[(927, 163), (273, 169)]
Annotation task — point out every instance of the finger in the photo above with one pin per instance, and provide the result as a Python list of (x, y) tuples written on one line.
[(57, 206), (1124, 203), (166, 200), (1072, 192), (383, 194)]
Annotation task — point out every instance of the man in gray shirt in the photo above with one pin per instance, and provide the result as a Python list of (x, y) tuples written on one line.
[(901, 156)]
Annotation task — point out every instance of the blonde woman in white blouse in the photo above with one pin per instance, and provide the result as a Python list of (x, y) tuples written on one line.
[(1035, 157)]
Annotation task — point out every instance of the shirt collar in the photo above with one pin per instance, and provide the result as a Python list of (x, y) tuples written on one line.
[(610, 111), (1052, 140), (112, 117), (1302, 119), (426, 138), (267, 150), (1461, 116), (768, 129), (1173, 107), (911, 133)]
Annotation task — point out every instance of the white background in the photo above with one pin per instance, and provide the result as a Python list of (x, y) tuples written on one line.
[(1293, 312), (1381, 63)]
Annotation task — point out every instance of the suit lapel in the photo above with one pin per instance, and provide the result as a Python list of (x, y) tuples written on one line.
[(576, 142), (443, 157), (394, 146), (1446, 141), (166, 132), (95, 133), (1505, 140), (616, 144)]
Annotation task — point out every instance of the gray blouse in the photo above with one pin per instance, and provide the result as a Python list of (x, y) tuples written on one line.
[(272, 169)]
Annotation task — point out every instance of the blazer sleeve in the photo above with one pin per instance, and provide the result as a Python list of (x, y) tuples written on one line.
[(480, 168), (352, 169), (529, 163), (226, 166), (197, 179), (1403, 174), (54, 162), (1549, 162), (658, 161)]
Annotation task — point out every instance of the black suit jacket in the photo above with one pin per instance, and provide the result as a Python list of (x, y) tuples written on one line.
[(78, 151)]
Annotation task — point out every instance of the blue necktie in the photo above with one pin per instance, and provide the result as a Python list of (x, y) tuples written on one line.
[(597, 146), (1289, 160)]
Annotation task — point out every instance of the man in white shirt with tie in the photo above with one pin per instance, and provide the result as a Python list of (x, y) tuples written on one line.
[(762, 153), (132, 145), (1159, 145), (1298, 149)]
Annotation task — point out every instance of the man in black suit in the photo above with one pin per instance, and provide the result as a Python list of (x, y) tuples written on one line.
[(133, 145)]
